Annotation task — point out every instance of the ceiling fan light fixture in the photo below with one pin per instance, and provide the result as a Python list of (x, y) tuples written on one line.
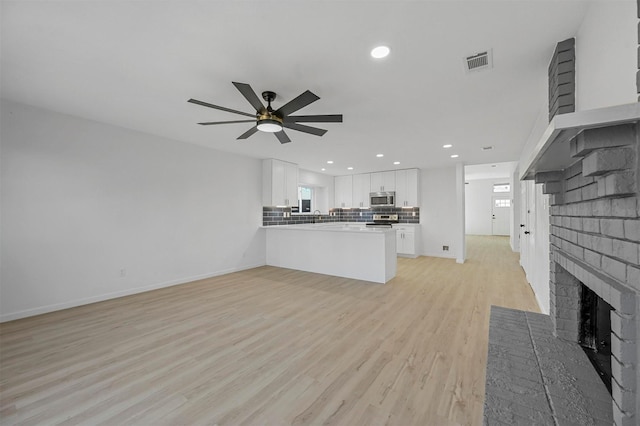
[(269, 123), (269, 126)]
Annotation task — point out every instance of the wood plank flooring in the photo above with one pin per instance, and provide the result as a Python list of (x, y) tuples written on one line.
[(270, 346)]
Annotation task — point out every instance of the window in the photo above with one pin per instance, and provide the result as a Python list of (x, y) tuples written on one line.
[(501, 187), (502, 203), (305, 195)]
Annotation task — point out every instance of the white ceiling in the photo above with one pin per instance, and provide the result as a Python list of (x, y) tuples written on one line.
[(136, 63)]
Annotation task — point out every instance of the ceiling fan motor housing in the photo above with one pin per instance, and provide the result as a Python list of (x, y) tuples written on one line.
[(268, 116)]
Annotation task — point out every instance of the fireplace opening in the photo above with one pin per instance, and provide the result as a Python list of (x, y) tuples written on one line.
[(595, 332)]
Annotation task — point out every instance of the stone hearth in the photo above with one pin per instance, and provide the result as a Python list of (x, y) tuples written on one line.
[(534, 378)]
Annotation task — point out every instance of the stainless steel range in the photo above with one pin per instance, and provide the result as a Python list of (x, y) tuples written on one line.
[(383, 221)]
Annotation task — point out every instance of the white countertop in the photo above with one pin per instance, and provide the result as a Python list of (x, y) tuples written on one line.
[(357, 227)]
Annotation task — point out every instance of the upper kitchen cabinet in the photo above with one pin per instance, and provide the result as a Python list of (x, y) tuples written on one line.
[(407, 188), (383, 181), (279, 183), (361, 190), (343, 188)]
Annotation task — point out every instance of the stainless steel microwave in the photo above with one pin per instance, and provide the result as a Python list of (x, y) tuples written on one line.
[(382, 199)]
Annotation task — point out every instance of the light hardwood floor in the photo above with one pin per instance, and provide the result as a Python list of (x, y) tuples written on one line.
[(270, 346)]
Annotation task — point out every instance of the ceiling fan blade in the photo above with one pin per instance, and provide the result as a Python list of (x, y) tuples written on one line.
[(197, 102), (300, 102), (305, 129), (248, 133), (329, 118), (282, 136), (251, 96), (208, 123)]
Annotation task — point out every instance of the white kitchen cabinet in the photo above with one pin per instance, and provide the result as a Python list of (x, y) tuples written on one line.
[(361, 190), (343, 191), (407, 188), (407, 239), (279, 183), (383, 181)]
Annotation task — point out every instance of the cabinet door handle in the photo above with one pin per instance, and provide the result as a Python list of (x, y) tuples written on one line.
[(527, 232)]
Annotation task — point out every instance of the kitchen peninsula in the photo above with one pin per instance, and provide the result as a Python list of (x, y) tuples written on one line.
[(342, 249)]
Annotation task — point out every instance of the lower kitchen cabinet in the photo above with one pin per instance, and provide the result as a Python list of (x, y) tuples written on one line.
[(407, 236)]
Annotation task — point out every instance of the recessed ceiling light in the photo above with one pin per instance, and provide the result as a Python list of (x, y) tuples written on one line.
[(380, 52), (379, 155), (349, 168), (330, 162), (323, 169), (396, 162), (454, 156), (447, 145)]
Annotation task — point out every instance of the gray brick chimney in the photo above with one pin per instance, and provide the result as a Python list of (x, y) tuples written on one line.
[(595, 240)]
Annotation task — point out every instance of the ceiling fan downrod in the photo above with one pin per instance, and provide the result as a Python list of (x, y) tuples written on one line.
[(269, 96)]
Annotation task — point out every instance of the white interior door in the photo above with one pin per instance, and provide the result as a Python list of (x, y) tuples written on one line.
[(524, 247), (527, 225), (500, 211)]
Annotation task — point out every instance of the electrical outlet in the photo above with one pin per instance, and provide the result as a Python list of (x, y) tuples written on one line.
[(123, 272), (445, 248)]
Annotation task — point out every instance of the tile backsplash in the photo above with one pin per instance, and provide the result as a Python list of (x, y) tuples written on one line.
[(282, 215)]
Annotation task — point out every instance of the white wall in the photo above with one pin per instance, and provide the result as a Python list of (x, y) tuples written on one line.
[(461, 242), (91, 211), (479, 205), (438, 212), (606, 55)]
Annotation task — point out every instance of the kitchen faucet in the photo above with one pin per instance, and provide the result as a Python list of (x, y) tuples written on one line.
[(319, 215)]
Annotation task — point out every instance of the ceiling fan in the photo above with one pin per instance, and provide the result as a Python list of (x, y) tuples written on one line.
[(267, 119)]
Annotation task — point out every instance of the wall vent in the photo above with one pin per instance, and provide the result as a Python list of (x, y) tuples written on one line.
[(478, 61)]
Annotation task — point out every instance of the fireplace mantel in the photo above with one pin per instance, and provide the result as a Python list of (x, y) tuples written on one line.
[(552, 151)]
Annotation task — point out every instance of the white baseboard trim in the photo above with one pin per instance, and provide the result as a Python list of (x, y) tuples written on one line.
[(439, 254), (107, 296)]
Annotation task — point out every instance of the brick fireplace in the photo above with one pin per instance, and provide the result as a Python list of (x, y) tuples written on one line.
[(595, 242)]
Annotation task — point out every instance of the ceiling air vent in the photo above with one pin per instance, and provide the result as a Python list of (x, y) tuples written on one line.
[(478, 61)]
